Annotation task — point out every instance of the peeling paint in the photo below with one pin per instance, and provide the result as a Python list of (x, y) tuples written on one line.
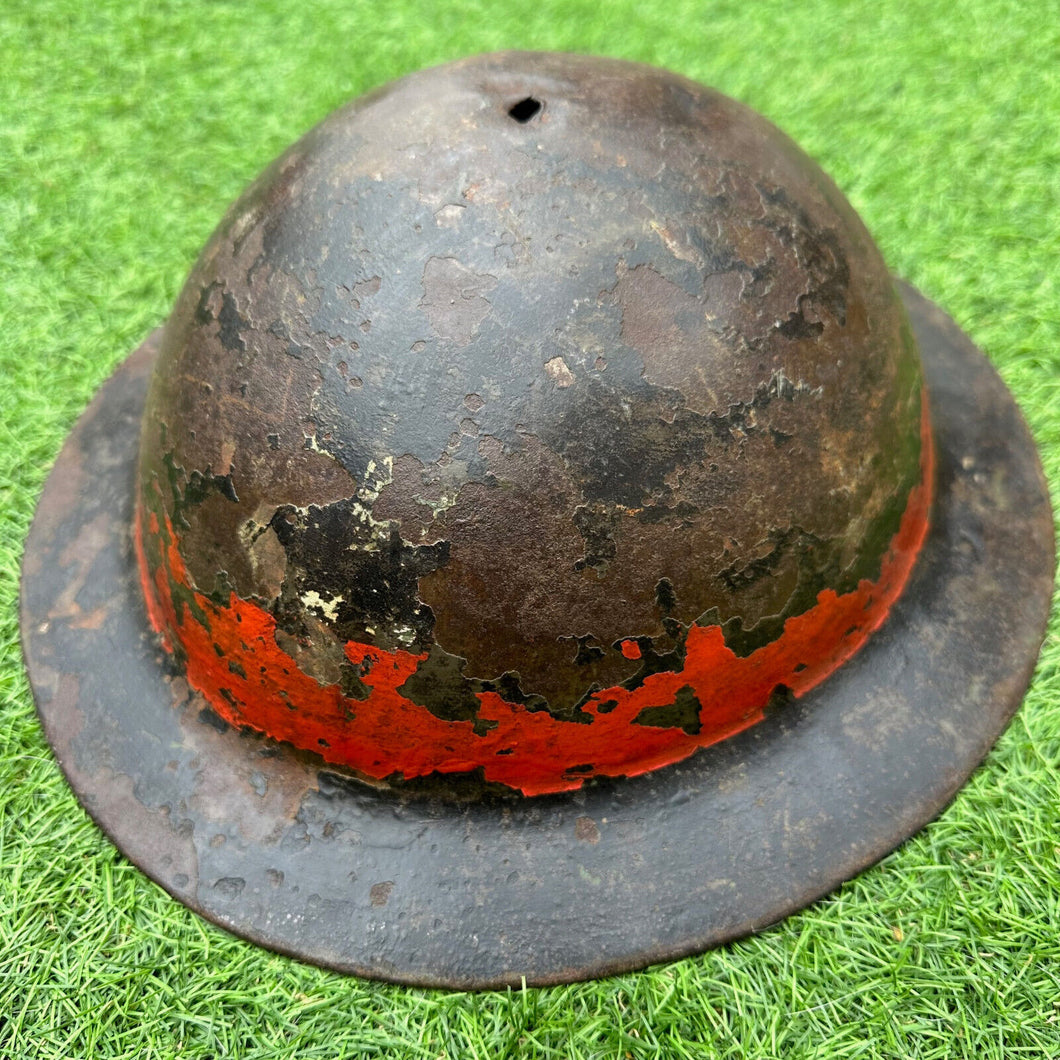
[(422, 715), (527, 424), (556, 369)]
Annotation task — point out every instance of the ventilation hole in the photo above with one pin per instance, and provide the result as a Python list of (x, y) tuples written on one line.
[(525, 110)]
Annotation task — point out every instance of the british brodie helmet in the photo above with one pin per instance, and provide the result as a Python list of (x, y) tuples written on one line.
[(542, 540)]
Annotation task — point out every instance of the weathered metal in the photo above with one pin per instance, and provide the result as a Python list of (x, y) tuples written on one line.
[(534, 450), (530, 425)]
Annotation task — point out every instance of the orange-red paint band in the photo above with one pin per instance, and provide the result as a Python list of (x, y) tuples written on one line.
[(387, 734)]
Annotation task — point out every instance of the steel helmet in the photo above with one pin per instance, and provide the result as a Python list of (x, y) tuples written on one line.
[(543, 539)]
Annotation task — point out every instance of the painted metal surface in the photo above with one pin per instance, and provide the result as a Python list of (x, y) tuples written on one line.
[(281, 848), (533, 419)]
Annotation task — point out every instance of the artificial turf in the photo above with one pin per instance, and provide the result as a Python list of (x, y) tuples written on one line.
[(127, 126)]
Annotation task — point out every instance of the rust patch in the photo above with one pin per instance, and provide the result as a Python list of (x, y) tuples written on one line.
[(586, 830), (380, 893)]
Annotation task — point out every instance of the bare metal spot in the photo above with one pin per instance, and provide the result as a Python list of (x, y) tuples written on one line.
[(406, 498), (454, 299), (559, 373), (675, 244), (449, 216), (668, 327), (92, 620), (881, 723), (473, 402), (268, 561), (317, 654), (366, 289)]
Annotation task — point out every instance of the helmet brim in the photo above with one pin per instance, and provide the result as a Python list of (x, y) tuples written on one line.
[(276, 846)]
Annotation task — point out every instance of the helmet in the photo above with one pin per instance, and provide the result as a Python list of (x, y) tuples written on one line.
[(531, 425)]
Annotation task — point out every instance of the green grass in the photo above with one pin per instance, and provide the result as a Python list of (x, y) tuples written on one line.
[(126, 126)]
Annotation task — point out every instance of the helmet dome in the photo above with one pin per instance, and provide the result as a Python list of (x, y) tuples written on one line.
[(530, 420)]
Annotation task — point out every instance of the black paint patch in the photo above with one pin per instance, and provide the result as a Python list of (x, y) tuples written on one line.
[(222, 590), (661, 513), (817, 562), (190, 490), (439, 686), (682, 714), (665, 596), (508, 687), (820, 254), (337, 786), (230, 321), (653, 661), (351, 684), (366, 573), (784, 542), (779, 699), (577, 713), (621, 449), (208, 716), (587, 653), (796, 326)]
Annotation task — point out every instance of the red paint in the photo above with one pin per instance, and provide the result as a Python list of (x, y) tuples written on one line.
[(388, 734)]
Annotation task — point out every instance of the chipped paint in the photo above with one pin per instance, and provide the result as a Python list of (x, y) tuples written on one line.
[(556, 369), (553, 425), (316, 602), (392, 732)]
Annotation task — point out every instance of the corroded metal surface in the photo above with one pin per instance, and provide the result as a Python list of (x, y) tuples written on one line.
[(532, 419), (276, 846)]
